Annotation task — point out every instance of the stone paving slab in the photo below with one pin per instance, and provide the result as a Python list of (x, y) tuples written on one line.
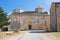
[(40, 36)]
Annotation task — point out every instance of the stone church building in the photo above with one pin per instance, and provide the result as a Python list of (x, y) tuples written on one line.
[(29, 20)]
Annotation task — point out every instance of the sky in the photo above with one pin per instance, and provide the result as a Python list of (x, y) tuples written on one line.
[(26, 5)]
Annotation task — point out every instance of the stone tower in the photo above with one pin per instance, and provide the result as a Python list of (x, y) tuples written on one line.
[(55, 16)]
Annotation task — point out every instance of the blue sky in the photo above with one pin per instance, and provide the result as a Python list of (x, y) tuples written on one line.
[(27, 5)]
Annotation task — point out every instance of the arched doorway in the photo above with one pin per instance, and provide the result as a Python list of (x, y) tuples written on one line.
[(29, 26), (5, 29), (29, 23)]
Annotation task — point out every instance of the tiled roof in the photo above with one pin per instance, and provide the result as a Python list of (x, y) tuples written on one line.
[(29, 13)]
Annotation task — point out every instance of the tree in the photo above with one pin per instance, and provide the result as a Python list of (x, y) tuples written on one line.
[(4, 20)]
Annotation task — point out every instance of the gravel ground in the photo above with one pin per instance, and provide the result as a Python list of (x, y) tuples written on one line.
[(26, 35), (13, 36)]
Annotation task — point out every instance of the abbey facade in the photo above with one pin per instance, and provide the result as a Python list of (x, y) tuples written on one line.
[(29, 20)]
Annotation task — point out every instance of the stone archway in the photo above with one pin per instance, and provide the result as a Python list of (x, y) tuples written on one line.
[(29, 24), (5, 29)]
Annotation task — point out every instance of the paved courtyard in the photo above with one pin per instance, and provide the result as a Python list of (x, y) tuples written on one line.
[(33, 36), (39, 36)]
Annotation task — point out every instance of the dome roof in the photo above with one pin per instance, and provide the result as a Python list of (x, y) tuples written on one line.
[(39, 7), (19, 10)]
